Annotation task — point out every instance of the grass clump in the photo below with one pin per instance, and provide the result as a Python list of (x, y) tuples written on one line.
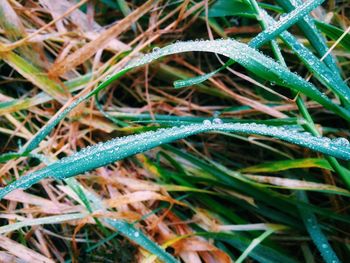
[(184, 131)]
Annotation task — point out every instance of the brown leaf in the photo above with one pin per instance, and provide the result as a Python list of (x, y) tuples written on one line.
[(88, 50), (21, 251)]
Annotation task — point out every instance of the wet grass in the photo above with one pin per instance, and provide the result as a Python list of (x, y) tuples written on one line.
[(193, 131)]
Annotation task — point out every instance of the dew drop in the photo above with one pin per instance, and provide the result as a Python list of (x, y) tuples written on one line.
[(216, 114), (217, 121), (341, 141), (207, 122), (156, 49), (136, 234)]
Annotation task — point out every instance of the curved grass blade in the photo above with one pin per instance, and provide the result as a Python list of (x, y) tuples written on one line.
[(316, 233), (246, 56), (267, 35), (254, 61), (105, 153)]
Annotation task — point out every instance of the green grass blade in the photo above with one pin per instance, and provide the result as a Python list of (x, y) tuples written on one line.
[(307, 26), (334, 33), (117, 149), (253, 244), (228, 177), (285, 22), (267, 35), (316, 233), (254, 61), (278, 166), (320, 70), (35, 75), (246, 56), (223, 8)]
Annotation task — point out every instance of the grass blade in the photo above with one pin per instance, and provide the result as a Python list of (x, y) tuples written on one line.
[(307, 26), (267, 35), (117, 149), (316, 233), (321, 71), (254, 61), (278, 166)]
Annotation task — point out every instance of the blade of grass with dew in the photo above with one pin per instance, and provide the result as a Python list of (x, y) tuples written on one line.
[(246, 56), (310, 126), (117, 149), (307, 26), (320, 70), (126, 229), (254, 61), (262, 38), (316, 233), (162, 118)]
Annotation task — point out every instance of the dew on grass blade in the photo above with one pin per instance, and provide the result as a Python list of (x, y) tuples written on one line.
[(340, 141)]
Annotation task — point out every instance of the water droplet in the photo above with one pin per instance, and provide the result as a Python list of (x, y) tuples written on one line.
[(216, 114), (324, 245), (217, 121), (156, 49), (136, 234), (326, 142), (341, 141), (207, 122)]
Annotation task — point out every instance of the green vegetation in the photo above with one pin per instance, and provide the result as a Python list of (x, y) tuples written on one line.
[(174, 131)]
